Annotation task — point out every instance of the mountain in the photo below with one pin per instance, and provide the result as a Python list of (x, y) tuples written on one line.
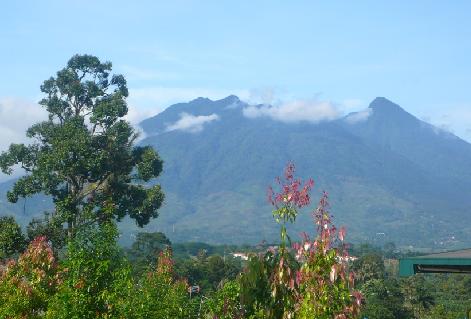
[(385, 170), (25, 209), (390, 176), (438, 152)]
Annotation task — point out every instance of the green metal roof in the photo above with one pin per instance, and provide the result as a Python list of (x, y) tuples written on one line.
[(458, 261)]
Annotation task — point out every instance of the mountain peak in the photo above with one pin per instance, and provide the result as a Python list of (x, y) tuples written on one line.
[(383, 104), (200, 100), (231, 99)]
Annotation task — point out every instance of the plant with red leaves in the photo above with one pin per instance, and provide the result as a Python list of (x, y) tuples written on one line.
[(315, 283), (325, 283), (292, 195), (26, 285)]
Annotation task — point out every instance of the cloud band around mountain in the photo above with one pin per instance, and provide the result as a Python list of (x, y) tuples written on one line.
[(360, 116), (192, 123), (295, 111)]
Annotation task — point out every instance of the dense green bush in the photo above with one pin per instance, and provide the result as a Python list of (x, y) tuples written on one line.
[(97, 278), (12, 240), (159, 295), (225, 303)]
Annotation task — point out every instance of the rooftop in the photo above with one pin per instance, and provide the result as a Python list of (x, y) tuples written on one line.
[(458, 261)]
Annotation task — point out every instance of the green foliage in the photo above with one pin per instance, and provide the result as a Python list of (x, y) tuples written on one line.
[(98, 282), (440, 312), (161, 296), (50, 227), (384, 300), (255, 286), (145, 249), (417, 295), (452, 291), (208, 272), (383, 296), (83, 155), (27, 285), (369, 267), (192, 249), (225, 303), (12, 240)]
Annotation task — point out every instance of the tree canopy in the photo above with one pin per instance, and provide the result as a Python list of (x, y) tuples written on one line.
[(84, 156), (11, 239)]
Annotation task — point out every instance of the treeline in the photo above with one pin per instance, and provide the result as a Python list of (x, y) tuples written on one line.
[(42, 280), (203, 266)]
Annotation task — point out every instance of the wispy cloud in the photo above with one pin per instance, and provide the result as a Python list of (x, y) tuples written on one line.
[(265, 95), (455, 121), (191, 123), (313, 111), (360, 116)]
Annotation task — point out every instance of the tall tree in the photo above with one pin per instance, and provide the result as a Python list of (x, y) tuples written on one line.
[(83, 155)]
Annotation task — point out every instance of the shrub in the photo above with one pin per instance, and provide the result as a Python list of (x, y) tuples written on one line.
[(28, 284), (315, 282), (161, 296), (98, 282)]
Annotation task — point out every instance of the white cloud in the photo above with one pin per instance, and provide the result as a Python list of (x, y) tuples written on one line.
[(16, 116), (360, 116), (313, 111), (191, 123), (136, 114)]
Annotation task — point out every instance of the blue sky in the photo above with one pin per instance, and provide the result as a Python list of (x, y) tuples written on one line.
[(416, 53)]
